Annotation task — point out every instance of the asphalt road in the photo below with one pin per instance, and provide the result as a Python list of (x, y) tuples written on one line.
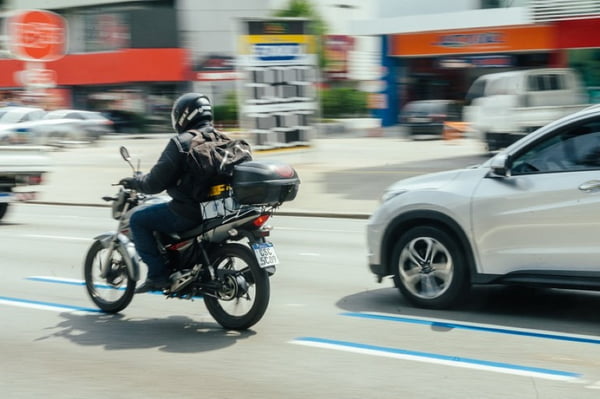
[(330, 330)]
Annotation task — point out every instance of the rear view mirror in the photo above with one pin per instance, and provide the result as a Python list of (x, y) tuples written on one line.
[(500, 165), (124, 153)]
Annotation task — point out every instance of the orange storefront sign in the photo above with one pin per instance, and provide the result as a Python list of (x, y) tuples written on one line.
[(124, 66), (484, 40)]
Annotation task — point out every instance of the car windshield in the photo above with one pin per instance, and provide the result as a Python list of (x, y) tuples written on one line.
[(20, 115), (92, 115), (452, 110)]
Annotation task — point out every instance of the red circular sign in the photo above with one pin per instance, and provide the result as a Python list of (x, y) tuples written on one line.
[(37, 35)]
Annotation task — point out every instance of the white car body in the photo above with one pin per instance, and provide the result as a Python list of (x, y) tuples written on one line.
[(511, 224), (56, 128)]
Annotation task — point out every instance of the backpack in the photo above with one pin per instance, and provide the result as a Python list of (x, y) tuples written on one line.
[(211, 157)]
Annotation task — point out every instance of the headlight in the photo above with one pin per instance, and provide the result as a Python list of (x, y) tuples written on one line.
[(389, 194), (119, 204)]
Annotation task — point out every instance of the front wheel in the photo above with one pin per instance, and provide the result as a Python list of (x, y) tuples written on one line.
[(115, 291), (243, 292), (429, 268)]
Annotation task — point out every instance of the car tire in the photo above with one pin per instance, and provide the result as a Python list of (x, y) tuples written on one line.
[(430, 268)]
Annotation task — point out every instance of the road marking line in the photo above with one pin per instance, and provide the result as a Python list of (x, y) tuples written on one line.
[(595, 385), (58, 280), (441, 323), (440, 359), (56, 307), (71, 281), (49, 237)]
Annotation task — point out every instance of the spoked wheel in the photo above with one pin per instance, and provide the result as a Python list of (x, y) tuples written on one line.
[(243, 294), (114, 292)]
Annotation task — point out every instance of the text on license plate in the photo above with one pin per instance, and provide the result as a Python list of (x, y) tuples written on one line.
[(265, 254)]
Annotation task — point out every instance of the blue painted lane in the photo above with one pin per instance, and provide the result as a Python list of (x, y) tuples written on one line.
[(440, 359), (475, 327)]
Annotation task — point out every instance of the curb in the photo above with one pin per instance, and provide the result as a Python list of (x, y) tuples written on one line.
[(312, 214)]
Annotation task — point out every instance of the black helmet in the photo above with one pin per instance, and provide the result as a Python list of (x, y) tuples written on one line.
[(189, 110)]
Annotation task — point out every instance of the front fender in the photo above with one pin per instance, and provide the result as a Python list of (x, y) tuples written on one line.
[(131, 260)]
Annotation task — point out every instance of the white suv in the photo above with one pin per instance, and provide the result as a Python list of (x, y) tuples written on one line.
[(530, 215)]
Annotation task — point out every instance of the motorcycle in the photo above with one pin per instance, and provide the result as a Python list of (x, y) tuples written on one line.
[(227, 260)]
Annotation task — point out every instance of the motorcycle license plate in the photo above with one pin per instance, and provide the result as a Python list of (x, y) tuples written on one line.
[(265, 254)]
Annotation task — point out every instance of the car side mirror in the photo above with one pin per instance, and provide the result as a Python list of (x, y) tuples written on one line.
[(500, 165)]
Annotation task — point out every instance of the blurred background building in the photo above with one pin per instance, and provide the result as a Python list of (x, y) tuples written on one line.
[(137, 56), (435, 49)]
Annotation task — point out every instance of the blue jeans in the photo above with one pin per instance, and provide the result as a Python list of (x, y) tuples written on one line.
[(144, 222)]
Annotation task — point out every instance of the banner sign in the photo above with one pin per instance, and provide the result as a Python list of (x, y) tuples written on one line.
[(474, 41), (277, 63)]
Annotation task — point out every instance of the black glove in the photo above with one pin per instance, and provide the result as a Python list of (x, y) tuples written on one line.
[(127, 182)]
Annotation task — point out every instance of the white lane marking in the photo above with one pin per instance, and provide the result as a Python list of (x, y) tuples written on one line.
[(454, 361), (315, 230), (595, 385), (48, 237)]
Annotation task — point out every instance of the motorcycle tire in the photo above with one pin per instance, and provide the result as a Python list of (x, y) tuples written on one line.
[(113, 293), (238, 307)]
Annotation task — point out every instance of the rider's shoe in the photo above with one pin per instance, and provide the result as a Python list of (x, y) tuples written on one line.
[(153, 285)]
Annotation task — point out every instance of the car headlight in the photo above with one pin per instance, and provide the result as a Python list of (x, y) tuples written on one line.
[(389, 194)]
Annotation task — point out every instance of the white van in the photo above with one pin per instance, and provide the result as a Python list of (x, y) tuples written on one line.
[(502, 107)]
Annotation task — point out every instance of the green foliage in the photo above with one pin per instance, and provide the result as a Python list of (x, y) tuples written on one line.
[(227, 111), (305, 9), (343, 102)]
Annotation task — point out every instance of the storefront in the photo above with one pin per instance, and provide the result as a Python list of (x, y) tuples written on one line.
[(125, 59), (443, 64), (579, 42)]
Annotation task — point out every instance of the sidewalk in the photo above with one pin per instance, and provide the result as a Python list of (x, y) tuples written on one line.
[(83, 175)]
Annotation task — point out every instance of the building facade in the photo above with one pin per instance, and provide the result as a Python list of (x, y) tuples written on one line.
[(437, 52)]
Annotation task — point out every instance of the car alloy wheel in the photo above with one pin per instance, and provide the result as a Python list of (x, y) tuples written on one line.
[(430, 270)]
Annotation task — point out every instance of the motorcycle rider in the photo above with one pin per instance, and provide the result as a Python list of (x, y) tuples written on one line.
[(190, 111)]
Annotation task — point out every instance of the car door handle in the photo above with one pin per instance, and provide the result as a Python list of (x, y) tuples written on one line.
[(590, 186)]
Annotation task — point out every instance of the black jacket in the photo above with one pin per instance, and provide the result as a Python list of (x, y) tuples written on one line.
[(170, 173)]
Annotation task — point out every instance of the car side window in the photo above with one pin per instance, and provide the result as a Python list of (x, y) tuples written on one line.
[(576, 148)]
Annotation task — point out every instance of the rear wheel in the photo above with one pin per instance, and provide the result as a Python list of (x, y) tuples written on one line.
[(244, 290), (114, 292), (429, 268)]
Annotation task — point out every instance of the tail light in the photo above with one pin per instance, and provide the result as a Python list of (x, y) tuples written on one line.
[(438, 117), (29, 180), (261, 220), (34, 180)]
